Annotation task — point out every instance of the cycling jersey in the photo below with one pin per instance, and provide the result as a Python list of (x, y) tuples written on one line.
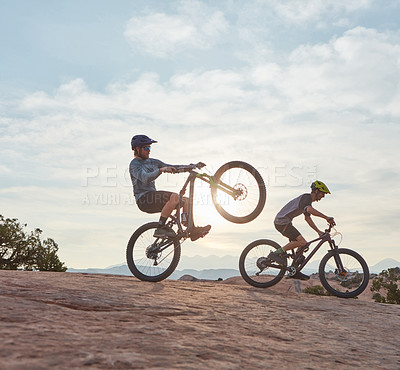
[(293, 209), (143, 174)]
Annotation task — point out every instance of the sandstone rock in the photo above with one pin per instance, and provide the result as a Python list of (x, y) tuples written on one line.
[(63, 320)]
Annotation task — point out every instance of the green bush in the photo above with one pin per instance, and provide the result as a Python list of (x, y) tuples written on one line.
[(315, 289), (354, 281), (26, 251), (387, 281)]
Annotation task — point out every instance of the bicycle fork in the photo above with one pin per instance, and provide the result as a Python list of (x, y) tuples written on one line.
[(340, 269)]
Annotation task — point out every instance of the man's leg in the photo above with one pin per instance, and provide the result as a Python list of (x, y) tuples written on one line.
[(296, 240), (168, 207), (196, 233), (298, 243)]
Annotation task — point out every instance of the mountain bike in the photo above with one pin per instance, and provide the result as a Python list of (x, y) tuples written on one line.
[(342, 272), (238, 193)]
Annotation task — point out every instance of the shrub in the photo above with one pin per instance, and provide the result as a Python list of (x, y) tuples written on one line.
[(315, 289), (354, 281), (22, 251), (387, 281)]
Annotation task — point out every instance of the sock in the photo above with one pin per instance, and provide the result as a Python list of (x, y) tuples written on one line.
[(162, 221), (279, 251)]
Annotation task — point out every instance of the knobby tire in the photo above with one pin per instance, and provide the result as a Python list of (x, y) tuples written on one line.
[(248, 264), (346, 287), (143, 267), (240, 175)]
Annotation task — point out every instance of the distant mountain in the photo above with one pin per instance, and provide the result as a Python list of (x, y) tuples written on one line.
[(208, 274), (384, 265), (192, 263), (214, 267), (209, 262), (113, 270)]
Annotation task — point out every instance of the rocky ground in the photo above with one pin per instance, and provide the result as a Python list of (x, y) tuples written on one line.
[(65, 320)]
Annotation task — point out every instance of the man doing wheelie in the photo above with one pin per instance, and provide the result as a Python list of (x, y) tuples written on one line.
[(144, 171), (296, 207)]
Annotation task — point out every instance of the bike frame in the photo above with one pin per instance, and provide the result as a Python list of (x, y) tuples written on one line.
[(176, 219), (190, 182), (322, 239)]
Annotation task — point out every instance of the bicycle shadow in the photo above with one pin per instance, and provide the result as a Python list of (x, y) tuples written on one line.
[(289, 290)]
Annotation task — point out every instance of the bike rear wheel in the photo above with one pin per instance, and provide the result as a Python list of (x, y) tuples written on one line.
[(249, 188), (344, 273), (145, 258), (254, 258)]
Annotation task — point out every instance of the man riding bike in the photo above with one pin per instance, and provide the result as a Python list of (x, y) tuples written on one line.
[(144, 171), (283, 222)]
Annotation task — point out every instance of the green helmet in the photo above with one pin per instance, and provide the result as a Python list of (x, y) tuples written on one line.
[(319, 185)]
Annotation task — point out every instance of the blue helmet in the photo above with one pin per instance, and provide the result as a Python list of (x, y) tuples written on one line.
[(141, 140)]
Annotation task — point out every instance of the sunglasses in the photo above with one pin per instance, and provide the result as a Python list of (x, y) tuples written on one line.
[(146, 148)]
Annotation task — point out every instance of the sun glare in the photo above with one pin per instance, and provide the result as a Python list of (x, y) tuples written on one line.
[(204, 211)]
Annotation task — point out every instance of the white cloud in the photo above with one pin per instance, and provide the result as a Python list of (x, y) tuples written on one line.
[(359, 70), (194, 26), (300, 11), (328, 83), (4, 169), (329, 106)]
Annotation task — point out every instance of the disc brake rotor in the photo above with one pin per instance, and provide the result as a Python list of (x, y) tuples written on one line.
[(240, 192), (343, 276)]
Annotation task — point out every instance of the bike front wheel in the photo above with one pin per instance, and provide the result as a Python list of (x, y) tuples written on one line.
[(149, 258), (344, 273), (256, 269), (238, 192)]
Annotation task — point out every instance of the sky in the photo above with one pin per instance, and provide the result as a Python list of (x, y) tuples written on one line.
[(302, 90)]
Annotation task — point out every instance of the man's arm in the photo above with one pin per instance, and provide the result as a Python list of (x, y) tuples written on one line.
[(312, 211), (177, 168), (312, 225), (137, 171)]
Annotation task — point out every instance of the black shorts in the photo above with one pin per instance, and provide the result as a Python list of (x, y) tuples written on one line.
[(289, 231), (153, 201)]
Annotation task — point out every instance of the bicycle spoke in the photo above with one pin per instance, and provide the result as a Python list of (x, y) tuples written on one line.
[(249, 196), (148, 257), (345, 274), (147, 265), (254, 265)]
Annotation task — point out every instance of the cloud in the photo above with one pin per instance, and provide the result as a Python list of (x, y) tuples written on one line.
[(354, 71), (299, 11), (327, 109), (346, 82), (193, 26), (4, 169)]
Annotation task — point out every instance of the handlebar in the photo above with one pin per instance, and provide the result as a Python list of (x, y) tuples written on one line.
[(331, 225), (190, 167)]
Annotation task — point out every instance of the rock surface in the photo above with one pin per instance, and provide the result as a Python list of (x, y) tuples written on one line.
[(63, 320)]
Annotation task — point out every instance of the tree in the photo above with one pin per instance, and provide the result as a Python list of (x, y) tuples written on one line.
[(19, 250), (387, 280)]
